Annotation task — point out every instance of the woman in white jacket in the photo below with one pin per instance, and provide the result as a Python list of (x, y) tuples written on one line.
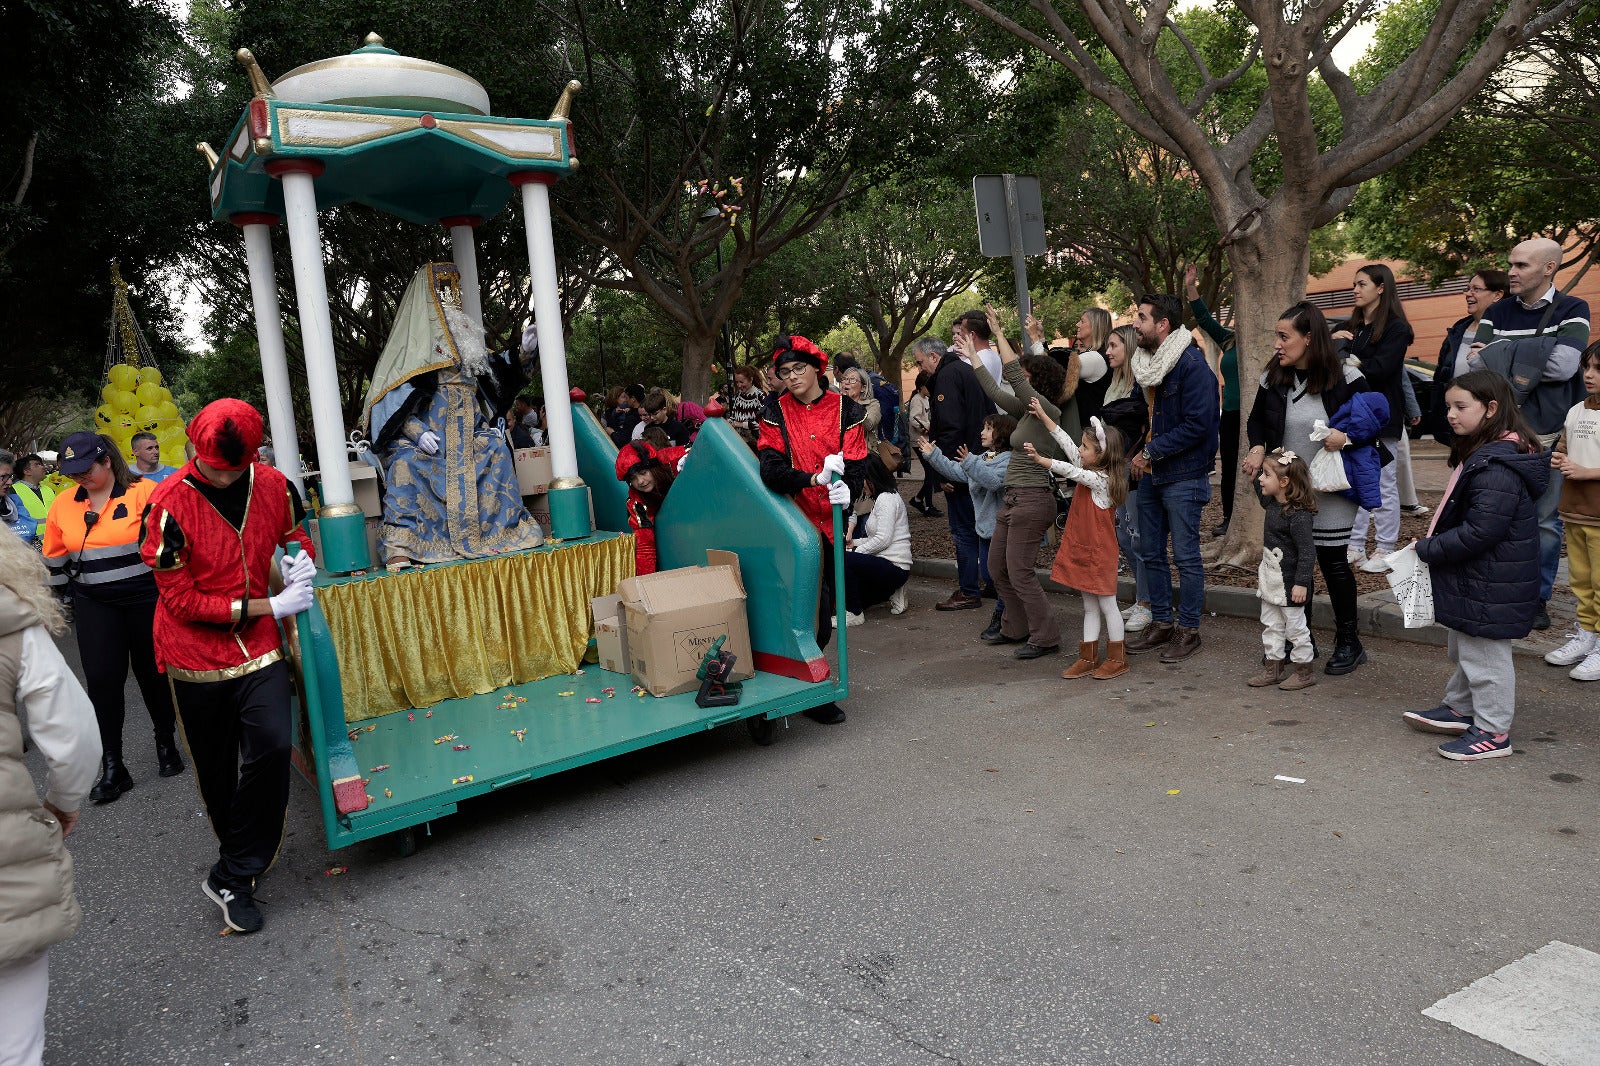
[(877, 561), (37, 907)]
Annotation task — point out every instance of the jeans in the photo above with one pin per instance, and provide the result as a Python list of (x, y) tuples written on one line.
[(869, 580), (983, 571), (1128, 541), (964, 531), (1174, 509), (1386, 517), (1024, 516), (1549, 536)]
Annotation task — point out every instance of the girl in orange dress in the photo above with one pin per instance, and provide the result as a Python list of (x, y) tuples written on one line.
[(1087, 558)]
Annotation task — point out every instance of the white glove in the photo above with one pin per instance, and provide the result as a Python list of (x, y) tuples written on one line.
[(294, 599), (833, 464), (839, 494), (428, 443), (300, 567), (684, 458)]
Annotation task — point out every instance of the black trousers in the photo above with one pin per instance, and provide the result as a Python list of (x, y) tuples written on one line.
[(1230, 461), (930, 481), (110, 638), (1341, 582), (239, 733), (869, 579)]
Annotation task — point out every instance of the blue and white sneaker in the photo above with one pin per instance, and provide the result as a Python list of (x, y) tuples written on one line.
[(1439, 720), (1475, 744)]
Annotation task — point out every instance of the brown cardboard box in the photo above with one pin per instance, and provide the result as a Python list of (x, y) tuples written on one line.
[(534, 472), (674, 615), (364, 479), (610, 633)]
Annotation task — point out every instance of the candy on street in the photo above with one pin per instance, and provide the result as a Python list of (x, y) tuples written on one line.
[(335, 871), (461, 780), (461, 747)]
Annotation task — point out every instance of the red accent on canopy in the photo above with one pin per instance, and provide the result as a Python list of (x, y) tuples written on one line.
[(528, 177), (253, 218), (279, 167), (577, 395), (427, 122), (714, 409), (452, 221)]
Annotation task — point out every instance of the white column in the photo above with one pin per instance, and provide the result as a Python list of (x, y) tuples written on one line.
[(552, 346), (316, 336), (274, 364), (465, 253)]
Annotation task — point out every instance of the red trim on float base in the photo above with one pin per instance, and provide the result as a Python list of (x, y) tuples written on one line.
[(529, 177), (461, 220), (253, 218), (814, 670), (279, 167)]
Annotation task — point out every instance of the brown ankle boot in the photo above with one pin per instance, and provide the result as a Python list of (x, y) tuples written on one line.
[(1269, 676), (1087, 660), (1303, 678), (1116, 662)]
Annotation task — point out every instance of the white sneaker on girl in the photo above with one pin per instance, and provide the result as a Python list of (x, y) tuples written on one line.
[(1575, 650), (1589, 669)]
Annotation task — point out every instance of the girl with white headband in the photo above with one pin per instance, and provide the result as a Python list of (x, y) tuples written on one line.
[(1087, 558)]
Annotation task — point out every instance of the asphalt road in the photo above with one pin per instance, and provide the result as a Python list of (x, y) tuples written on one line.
[(986, 864)]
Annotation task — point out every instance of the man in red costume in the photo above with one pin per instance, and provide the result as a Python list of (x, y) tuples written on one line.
[(648, 472), (807, 435), (211, 531)]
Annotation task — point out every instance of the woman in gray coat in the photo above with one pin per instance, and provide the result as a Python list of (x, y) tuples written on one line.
[(37, 908)]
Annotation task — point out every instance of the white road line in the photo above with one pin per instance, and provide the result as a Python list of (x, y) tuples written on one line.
[(1544, 1006)]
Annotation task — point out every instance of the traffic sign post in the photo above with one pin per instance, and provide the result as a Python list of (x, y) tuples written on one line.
[(1011, 222)]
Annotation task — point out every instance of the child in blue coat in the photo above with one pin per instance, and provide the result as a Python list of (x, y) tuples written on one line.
[(1482, 552)]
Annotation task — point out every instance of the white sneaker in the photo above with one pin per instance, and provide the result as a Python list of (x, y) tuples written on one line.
[(899, 601), (854, 619), (1127, 612), (1375, 565), (1589, 669), (1580, 647), (1139, 619)]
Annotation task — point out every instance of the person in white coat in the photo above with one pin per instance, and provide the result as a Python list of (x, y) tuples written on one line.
[(37, 906), (877, 560)]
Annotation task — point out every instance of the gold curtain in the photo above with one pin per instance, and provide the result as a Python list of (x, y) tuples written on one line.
[(410, 640)]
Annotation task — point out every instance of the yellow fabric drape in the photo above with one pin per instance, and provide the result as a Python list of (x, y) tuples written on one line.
[(410, 640)]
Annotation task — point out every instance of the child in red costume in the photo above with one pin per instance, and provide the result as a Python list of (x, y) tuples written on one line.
[(648, 472), (211, 531), (807, 435)]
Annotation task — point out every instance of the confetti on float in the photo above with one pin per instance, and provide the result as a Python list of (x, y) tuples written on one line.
[(591, 699), (447, 738), (461, 780), (380, 768), (387, 794), (461, 747), (519, 734)]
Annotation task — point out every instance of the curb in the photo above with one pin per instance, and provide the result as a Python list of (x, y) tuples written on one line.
[(1379, 615)]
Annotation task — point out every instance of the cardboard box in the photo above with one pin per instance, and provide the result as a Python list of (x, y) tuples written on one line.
[(673, 616), (534, 472), (610, 633), (364, 479)]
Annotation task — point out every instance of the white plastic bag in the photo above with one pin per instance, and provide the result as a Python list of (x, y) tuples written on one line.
[(1413, 586), (1327, 468)]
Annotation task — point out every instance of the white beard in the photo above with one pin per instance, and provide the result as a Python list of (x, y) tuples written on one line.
[(468, 336)]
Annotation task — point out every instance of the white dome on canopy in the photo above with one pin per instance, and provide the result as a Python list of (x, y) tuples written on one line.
[(375, 76)]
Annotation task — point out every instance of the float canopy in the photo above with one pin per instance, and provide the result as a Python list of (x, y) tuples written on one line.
[(404, 136)]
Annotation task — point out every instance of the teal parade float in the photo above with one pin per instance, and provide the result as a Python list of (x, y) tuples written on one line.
[(434, 684)]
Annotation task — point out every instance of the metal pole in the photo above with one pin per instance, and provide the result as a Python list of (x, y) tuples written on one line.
[(269, 337), (465, 254), (547, 313), (1019, 262)]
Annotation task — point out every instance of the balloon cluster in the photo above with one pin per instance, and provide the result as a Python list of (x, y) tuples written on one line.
[(135, 401)]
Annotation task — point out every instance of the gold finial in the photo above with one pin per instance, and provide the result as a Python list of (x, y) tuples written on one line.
[(207, 153), (372, 38), (258, 81), (564, 105)]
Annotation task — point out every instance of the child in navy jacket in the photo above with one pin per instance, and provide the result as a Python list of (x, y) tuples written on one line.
[(1482, 552)]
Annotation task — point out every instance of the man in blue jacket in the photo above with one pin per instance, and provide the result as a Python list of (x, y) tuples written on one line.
[(1174, 472)]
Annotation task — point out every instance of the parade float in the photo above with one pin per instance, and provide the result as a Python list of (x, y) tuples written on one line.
[(426, 687)]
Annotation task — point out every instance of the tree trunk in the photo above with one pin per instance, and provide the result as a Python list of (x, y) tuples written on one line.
[(1269, 275), (699, 349)]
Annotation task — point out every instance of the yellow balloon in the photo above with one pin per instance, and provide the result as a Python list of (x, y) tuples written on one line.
[(147, 418), (108, 393), (103, 416), (148, 394), (150, 375), (124, 377), (173, 455), (169, 411), (125, 401)]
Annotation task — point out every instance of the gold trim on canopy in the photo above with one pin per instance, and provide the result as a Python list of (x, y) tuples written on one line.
[(410, 640)]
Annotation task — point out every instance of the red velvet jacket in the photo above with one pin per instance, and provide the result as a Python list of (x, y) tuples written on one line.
[(206, 569), (642, 520), (794, 439)]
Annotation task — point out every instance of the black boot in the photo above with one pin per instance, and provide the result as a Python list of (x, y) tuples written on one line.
[(168, 760), (114, 780), (993, 629), (1347, 650)]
